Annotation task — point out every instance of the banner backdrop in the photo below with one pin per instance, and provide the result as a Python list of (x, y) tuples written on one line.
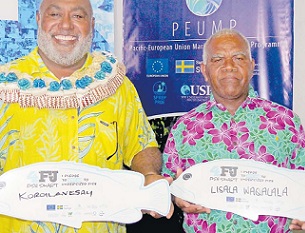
[(18, 32), (163, 42)]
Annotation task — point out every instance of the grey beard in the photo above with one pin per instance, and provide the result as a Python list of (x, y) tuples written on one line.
[(64, 59)]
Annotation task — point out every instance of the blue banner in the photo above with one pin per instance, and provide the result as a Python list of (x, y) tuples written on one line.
[(163, 42)]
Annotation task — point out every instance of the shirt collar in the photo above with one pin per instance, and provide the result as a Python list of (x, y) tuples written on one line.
[(212, 102)]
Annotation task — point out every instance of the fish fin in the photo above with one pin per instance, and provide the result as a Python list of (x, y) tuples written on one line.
[(247, 214), (71, 222), (129, 215), (126, 178), (156, 197)]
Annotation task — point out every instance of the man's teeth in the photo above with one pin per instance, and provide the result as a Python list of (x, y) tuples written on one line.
[(60, 37)]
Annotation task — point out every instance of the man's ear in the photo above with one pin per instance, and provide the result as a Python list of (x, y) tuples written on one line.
[(93, 23), (37, 16), (203, 71), (252, 67), (253, 64)]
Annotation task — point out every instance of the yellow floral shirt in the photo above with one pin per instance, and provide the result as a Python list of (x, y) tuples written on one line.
[(106, 125)]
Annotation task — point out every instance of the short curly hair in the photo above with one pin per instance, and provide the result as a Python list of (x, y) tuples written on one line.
[(225, 31)]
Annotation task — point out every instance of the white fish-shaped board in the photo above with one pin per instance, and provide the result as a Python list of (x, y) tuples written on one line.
[(70, 193), (244, 187)]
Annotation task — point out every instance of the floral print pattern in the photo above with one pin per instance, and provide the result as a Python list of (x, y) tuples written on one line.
[(260, 129)]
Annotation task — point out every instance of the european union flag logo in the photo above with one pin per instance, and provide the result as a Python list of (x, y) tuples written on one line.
[(50, 207), (185, 66), (230, 199), (157, 66)]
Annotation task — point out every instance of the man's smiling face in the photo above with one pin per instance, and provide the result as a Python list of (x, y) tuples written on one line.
[(65, 30)]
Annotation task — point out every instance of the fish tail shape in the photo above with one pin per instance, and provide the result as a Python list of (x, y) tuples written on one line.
[(156, 197)]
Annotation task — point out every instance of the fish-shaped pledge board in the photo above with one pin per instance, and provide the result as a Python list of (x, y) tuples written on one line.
[(244, 187), (70, 193)]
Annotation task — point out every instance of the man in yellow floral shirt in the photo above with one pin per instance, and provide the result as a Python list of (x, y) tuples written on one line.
[(62, 103)]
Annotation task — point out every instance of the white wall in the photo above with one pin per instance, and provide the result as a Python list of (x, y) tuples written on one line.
[(9, 10), (299, 53), (299, 60)]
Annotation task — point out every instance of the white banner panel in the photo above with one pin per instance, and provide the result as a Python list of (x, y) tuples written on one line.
[(9, 10)]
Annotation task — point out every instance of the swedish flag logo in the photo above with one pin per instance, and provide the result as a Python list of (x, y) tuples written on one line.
[(185, 66)]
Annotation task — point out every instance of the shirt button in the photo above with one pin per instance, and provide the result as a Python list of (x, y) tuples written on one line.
[(73, 147), (72, 117), (235, 222)]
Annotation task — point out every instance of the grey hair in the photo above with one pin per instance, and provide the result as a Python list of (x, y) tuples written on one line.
[(220, 33), (39, 3)]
